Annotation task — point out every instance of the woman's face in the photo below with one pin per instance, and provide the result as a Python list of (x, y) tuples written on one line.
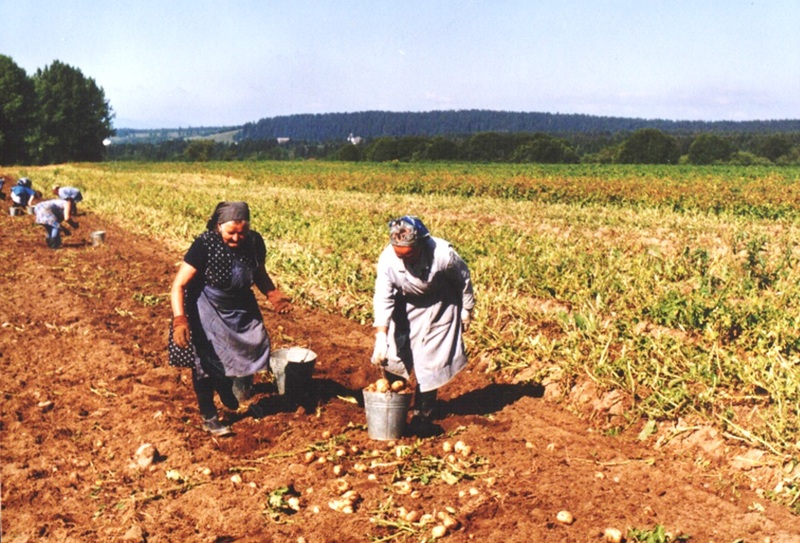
[(233, 232)]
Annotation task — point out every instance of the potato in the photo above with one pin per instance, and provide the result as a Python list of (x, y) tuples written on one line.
[(565, 517), (397, 386), (612, 535), (382, 385)]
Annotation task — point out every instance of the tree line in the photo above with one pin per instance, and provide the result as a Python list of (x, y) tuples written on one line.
[(56, 115), (644, 146), (376, 124), (59, 115)]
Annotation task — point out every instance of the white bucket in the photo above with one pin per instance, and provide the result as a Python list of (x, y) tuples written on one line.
[(98, 238)]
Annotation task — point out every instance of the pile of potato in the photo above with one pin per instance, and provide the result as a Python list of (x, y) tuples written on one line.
[(383, 385)]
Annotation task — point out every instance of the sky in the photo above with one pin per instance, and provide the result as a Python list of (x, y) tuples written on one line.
[(192, 63)]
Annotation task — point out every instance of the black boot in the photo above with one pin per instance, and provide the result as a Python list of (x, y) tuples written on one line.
[(421, 424)]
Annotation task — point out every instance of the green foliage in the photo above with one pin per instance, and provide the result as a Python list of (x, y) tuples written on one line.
[(17, 100), (200, 150), (676, 286), (649, 146), (72, 116), (545, 150), (774, 147), (56, 116), (657, 535), (709, 149)]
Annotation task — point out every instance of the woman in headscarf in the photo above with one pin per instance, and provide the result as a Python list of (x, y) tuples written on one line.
[(217, 326), (422, 305), (50, 214)]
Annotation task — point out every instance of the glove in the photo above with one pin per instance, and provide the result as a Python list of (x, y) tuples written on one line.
[(381, 349), (466, 316), (280, 302), (73, 223), (180, 331)]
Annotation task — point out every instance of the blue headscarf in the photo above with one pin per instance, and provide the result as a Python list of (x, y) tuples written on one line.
[(407, 230)]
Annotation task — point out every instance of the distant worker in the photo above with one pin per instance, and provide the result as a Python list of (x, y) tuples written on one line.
[(22, 194), (50, 214), (70, 194)]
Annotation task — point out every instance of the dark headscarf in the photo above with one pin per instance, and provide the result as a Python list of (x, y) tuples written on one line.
[(228, 211)]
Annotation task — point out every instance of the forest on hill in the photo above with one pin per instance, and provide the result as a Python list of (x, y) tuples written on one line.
[(376, 124)]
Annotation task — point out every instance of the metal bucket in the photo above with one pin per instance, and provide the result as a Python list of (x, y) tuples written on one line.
[(386, 414), (292, 368), (15, 211), (98, 238)]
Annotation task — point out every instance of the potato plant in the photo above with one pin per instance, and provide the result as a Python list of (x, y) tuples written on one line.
[(677, 286)]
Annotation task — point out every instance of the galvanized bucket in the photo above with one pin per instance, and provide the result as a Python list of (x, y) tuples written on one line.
[(386, 414), (292, 369)]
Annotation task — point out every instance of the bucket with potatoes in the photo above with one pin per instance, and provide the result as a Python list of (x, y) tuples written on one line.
[(386, 405)]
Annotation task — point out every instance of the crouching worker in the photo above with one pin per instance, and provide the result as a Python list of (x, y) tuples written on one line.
[(217, 327), (422, 305), (70, 194), (50, 214), (22, 194)]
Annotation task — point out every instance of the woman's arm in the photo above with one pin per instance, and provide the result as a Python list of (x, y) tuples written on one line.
[(185, 274), (263, 281)]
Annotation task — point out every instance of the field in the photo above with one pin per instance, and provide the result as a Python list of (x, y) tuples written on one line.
[(634, 351)]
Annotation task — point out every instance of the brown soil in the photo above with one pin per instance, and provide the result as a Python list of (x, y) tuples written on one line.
[(85, 383)]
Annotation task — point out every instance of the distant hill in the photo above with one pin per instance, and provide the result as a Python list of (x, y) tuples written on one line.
[(325, 127)]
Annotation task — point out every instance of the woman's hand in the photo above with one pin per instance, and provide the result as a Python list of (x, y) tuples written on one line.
[(379, 353), (280, 302), (466, 317), (180, 331)]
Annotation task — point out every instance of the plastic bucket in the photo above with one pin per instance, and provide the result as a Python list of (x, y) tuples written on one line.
[(386, 414), (98, 238), (292, 368)]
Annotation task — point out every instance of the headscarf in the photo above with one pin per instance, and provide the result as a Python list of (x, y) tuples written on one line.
[(228, 211), (406, 231)]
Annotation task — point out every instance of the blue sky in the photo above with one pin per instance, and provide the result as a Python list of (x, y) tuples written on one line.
[(180, 63)]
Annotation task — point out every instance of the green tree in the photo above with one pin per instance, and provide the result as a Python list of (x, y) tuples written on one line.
[(441, 148), (200, 150), (17, 101), (546, 150), (348, 153), (775, 146), (709, 148), (649, 146), (73, 116), (490, 147), (383, 150)]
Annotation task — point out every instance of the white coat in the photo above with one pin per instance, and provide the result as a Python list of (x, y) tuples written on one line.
[(421, 306)]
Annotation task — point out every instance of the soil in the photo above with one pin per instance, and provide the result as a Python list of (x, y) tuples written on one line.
[(87, 392)]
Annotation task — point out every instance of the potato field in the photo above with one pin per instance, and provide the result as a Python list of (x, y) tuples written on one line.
[(635, 359)]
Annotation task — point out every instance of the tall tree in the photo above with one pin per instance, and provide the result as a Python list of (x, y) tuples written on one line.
[(17, 100), (649, 146), (709, 148), (73, 116)]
